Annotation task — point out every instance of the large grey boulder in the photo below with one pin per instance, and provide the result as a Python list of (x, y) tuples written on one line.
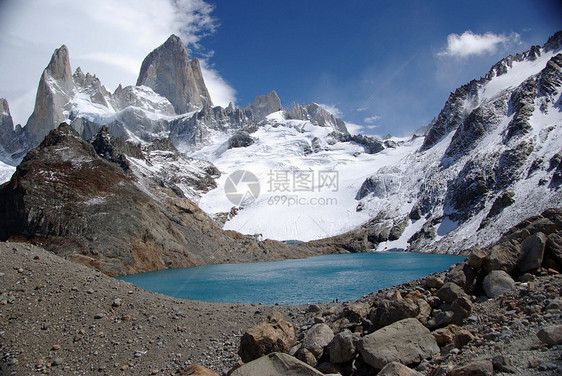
[(342, 349), (168, 71), (450, 292), (406, 341), (498, 282), (503, 256), (389, 311), (397, 369), (532, 252), (272, 335), (276, 364), (316, 338)]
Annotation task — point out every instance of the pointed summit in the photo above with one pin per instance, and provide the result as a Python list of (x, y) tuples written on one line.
[(168, 71), (266, 104), (55, 90)]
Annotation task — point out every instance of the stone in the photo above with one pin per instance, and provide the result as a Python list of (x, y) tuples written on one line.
[(389, 311), (397, 369), (441, 319), (196, 370), (476, 258), (554, 305), (117, 302), (503, 256), (503, 364), (551, 335), (240, 140), (57, 362), (406, 341), (461, 338), (461, 308), (316, 338), (462, 275), (450, 292), (272, 335), (498, 282), (434, 282), (475, 368), (425, 311), (532, 252), (342, 348), (306, 356), (276, 364), (314, 308), (553, 249), (444, 336)]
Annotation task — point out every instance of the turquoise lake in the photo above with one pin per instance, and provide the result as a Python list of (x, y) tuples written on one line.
[(312, 280)]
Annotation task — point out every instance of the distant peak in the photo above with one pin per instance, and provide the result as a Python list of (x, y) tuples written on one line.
[(59, 66)]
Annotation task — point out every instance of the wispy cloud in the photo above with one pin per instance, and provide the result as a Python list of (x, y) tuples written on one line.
[(372, 119), (354, 128), (331, 108), (470, 44), (221, 92)]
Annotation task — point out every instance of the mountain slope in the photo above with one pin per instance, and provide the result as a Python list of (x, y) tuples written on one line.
[(81, 206)]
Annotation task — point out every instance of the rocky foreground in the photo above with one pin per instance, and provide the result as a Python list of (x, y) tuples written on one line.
[(499, 312)]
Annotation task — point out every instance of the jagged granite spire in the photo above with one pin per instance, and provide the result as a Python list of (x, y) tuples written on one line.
[(168, 71), (265, 104), (55, 88)]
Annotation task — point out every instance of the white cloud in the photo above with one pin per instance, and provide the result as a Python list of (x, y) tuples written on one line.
[(221, 92), (468, 43), (331, 108), (354, 128), (372, 119), (105, 37)]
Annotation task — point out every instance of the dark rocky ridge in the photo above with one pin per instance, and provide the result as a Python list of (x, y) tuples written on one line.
[(81, 206)]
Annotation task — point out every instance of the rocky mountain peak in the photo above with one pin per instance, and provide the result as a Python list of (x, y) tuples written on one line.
[(59, 68), (265, 104), (168, 71)]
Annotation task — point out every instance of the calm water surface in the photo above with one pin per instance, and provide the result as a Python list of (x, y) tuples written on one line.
[(316, 279)]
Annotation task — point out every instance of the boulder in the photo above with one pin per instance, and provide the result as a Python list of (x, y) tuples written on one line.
[(444, 336), (461, 338), (276, 364), (306, 356), (461, 308), (532, 252), (406, 341), (316, 338), (553, 249), (497, 282), (196, 370), (551, 335), (477, 257), (272, 335), (503, 256), (389, 311), (441, 319), (240, 140), (397, 369), (544, 225), (425, 311), (462, 275), (450, 292), (475, 368), (434, 282), (342, 349)]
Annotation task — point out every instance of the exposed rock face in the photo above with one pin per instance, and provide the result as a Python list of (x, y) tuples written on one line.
[(240, 140), (12, 141), (318, 115), (168, 71), (265, 104), (55, 89), (89, 209)]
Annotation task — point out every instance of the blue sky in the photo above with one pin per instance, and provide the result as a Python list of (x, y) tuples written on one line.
[(383, 65), (378, 61)]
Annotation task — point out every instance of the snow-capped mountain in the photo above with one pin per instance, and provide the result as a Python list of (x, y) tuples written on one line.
[(491, 158)]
